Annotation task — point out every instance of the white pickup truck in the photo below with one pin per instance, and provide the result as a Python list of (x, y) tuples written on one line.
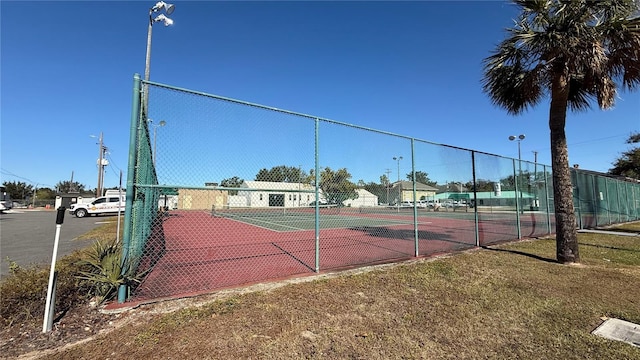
[(102, 205)]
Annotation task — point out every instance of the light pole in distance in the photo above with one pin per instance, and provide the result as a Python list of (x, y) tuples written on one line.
[(155, 136), (168, 9)]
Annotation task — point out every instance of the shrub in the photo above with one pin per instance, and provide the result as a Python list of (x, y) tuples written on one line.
[(24, 291), (104, 269)]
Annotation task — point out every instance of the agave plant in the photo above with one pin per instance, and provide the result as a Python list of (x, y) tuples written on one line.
[(105, 269)]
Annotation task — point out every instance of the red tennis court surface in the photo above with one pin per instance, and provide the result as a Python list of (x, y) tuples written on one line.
[(192, 252)]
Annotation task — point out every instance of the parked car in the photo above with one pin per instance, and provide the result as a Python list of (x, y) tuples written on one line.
[(101, 205), (432, 203), (321, 203)]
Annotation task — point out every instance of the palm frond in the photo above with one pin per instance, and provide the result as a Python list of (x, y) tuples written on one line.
[(580, 97), (594, 44)]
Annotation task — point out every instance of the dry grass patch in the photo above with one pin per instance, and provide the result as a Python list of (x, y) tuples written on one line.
[(509, 302), (105, 232)]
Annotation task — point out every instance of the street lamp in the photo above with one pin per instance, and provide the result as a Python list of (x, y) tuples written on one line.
[(168, 9), (398, 199), (519, 138), (155, 136)]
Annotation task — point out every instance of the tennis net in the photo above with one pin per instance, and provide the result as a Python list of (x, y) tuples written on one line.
[(385, 209), (273, 211)]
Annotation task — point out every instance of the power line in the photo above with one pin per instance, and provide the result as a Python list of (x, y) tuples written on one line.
[(9, 173), (547, 150)]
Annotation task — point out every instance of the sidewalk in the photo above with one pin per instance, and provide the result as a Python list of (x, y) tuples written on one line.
[(621, 233)]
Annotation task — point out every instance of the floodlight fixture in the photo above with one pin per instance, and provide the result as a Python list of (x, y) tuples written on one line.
[(161, 5), (164, 19)]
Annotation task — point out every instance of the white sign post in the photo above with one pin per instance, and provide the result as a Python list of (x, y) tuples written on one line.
[(49, 304)]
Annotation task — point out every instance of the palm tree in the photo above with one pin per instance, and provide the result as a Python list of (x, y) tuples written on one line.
[(576, 52)]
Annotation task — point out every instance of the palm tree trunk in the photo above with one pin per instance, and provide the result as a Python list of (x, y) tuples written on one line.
[(566, 227)]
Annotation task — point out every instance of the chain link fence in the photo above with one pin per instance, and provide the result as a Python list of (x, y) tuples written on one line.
[(222, 192)]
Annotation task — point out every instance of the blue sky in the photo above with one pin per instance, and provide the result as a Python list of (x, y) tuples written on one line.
[(410, 68)]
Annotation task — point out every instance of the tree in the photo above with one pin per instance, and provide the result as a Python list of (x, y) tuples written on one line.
[(18, 190), (336, 186), (233, 182), (575, 52), (384, 180), (628, 164), (70, 187), (281, 173), (45, 193), (423, 178), (379, 190), (480, 185)]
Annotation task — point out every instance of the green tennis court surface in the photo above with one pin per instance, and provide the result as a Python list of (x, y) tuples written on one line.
[(298, 219)]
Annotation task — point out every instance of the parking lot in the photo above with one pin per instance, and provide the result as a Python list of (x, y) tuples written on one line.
[(27, 236)]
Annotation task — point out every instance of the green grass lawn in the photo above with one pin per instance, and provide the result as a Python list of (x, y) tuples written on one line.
[(511, 301)]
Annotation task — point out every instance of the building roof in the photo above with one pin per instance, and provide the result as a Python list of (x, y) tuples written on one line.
[(273, 185), (408, 185), (364, 193)]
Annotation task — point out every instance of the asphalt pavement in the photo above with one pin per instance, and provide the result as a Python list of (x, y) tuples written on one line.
[(27, 236)]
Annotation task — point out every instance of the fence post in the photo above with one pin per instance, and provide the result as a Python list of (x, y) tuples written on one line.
[(546, 196), (516, 198), (131, 168), (606, 191), (576, 194), (596, 203), (475, 199), (618, 197), (317, 189), (415, 201)]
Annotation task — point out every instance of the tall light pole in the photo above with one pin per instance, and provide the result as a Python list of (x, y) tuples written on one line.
[(155, 136), (168, 9), (399, 198), (519, 138)]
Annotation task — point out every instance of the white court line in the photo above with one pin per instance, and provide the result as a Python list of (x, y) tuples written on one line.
[(263, 221), (339, 219)]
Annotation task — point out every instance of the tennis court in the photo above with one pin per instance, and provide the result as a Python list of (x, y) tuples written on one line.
[(202, 251), (303, 218), (293, 161)]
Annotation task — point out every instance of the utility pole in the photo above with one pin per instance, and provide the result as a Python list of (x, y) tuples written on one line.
[(100, 166), (70, 189)]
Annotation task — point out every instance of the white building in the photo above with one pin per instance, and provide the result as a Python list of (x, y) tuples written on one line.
[(364, 199), (275, 194)]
